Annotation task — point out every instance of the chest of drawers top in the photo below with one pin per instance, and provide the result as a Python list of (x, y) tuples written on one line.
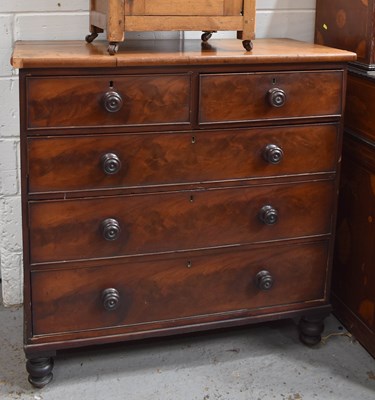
[(45, 54)]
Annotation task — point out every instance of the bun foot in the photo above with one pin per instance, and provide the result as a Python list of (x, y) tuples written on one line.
[(40, 371), (311, 329)]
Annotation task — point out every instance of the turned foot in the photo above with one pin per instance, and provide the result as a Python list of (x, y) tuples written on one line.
[(40, 371), (311, 328)]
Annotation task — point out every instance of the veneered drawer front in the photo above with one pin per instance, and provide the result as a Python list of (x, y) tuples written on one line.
[(139, 224), (244, 97), (72, 101), (79, 163), (172, 289)]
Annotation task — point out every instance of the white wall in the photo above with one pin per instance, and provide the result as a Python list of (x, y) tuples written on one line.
[(68, 19)]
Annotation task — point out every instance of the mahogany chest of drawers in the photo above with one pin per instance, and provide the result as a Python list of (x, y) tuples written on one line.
[(172, 188)]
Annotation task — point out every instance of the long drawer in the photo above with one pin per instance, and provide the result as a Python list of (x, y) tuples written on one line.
[(116, 161), (242, 97), (138, 293), (139, 224), (107, 101)]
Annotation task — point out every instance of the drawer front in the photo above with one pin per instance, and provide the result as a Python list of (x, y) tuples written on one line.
[(154, 223), (255, 96), (178, 7), (95, 162), (170, 290), (95, 101), (183, 7)]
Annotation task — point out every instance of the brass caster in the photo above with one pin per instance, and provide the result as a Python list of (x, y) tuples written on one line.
[(113, 48), (206, 36), (91, 37), (248, 45)]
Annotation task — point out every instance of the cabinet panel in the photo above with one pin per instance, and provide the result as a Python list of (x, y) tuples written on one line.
[(349, 25), (354, 266), (360, 107)]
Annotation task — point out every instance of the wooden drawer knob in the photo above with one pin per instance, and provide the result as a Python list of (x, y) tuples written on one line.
[(273, 154), (110, 229), (268, 215), (111, 163), (264, 280), (112, 101), (276, 97), (111, 299)]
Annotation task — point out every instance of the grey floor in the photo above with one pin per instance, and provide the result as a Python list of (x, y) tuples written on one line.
[(258, 362)]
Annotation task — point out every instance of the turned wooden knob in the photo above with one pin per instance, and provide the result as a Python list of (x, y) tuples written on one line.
[(273, 154), (268, 215), (276, 97), (112, 101), (111, 299), (110, 229), (111, 163), (264, 280)]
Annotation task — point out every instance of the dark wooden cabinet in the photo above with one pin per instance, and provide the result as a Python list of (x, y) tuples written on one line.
[(350, 24), (176, 191), (353, 291)]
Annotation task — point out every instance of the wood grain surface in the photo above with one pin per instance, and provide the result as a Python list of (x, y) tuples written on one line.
[(171, 52)]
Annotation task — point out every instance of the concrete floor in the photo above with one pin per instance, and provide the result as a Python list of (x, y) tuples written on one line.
[(257, 362)]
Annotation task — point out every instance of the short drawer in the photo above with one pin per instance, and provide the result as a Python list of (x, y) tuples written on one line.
[(99, 101), (242, 97), (64, 230), (97, 162), (138, 293), (189, 8)]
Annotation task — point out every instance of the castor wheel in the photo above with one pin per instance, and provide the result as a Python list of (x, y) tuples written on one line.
[(91, 37), (248, 45), (206, 36), (113, 48)]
